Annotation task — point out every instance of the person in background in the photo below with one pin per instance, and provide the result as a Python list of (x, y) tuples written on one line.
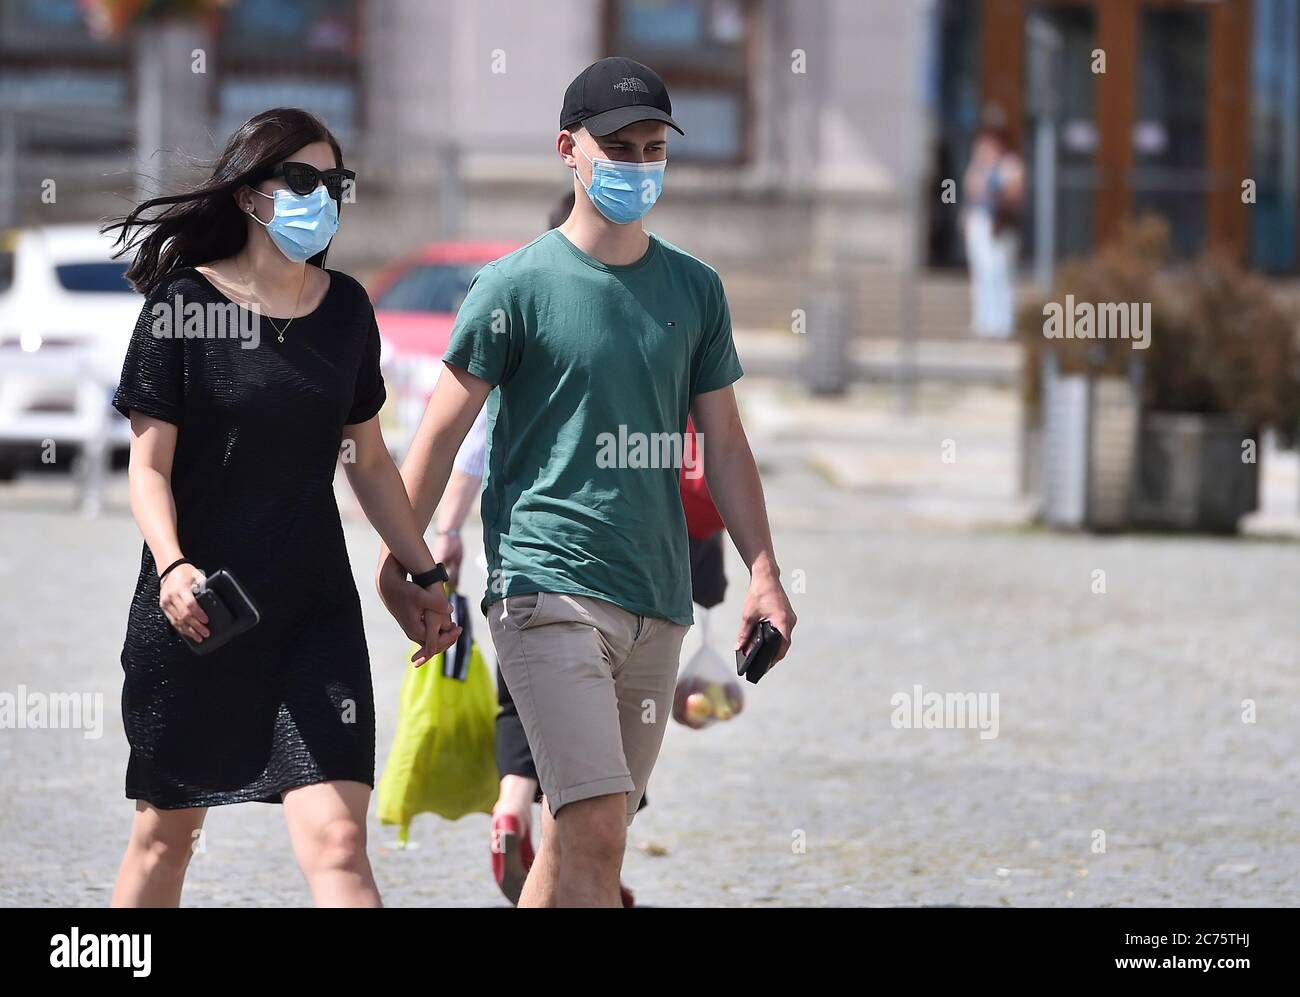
[(993, 195)]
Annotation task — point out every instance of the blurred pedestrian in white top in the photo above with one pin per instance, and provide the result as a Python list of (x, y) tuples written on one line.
[(993, 191), (463, 489)]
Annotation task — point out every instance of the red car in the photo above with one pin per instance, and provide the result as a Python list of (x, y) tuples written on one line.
[(417, 296)]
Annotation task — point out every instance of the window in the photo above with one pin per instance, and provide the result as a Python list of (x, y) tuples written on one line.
[(1170, 176), (1275, 135), (701, 49), (97, 278), (953, 102), (302, 32), (1069, 36), (76, 85), (52, 28), (434, 287), (296, 53)]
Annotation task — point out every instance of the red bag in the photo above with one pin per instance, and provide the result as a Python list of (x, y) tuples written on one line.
[(702, 517)]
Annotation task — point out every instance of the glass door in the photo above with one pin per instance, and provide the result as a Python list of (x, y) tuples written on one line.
[(1170, 174), (1059, 41)]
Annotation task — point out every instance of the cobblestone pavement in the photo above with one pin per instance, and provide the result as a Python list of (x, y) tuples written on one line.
[(1120, 714)]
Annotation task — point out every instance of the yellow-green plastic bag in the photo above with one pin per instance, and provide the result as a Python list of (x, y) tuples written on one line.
[(443, 758)]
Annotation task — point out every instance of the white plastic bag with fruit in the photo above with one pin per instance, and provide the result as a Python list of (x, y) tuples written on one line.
[(707, 690)]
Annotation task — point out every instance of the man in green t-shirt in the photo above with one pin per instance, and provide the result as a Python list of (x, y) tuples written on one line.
[(600, 339)]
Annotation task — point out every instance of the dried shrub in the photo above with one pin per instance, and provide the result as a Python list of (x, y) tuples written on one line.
[(1222, 343), (1231, 350)]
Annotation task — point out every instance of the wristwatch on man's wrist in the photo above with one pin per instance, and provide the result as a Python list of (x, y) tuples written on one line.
[(437, 573)]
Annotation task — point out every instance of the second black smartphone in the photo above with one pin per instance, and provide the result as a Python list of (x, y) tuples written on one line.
[(755, 658)]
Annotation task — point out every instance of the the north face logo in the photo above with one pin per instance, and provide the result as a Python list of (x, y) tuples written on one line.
[(630, 83)]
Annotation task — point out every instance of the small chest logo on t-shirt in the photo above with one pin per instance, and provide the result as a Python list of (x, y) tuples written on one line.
[(672, 325)]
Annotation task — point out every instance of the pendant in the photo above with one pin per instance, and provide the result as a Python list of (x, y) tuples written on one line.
[(281, 337)]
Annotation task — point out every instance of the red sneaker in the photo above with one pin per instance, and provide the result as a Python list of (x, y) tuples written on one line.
[(512, 855)]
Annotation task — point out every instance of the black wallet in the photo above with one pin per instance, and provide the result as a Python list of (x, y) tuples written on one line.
[(230, 612), (754, 663)]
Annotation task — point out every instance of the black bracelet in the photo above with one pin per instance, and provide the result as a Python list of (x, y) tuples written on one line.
[(176, 563), (435, 574)]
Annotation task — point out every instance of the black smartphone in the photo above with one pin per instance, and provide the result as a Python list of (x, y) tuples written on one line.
[(755, 658), (230, 612)]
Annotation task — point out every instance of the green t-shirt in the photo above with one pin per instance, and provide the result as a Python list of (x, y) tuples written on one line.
[(596, 366)]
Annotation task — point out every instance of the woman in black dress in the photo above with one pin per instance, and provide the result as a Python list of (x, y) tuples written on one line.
[(249, 372)]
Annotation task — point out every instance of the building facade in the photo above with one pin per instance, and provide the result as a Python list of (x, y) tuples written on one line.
[(819, 132)]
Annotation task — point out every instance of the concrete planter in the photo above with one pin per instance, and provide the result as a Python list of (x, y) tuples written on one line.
[(1099, 463), (1190, 473), (1089, 446)]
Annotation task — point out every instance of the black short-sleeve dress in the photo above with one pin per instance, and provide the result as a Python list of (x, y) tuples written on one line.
[(260, 427)]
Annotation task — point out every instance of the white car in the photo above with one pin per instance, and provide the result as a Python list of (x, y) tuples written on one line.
[(66, 315)]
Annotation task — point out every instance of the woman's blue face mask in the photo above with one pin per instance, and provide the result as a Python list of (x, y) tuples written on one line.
[(623, 192), (303, 224)]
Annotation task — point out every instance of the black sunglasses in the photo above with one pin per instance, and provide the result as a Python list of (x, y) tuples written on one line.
[(303, 178)]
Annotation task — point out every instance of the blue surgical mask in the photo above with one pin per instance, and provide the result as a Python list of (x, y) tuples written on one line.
[(623, 192), (303, 224)]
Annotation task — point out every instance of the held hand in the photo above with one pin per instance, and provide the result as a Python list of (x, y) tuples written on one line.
[(450, 551), (176, 596), (766, 600), (399, 597), (439, 630), (411, 606)]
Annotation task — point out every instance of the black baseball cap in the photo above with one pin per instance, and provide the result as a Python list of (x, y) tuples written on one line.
[(613, 93)]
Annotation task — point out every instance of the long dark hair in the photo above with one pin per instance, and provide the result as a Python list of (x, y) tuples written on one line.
[(205, 223)]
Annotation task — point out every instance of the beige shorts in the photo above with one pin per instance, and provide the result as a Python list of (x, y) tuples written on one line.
[(593, 684)]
